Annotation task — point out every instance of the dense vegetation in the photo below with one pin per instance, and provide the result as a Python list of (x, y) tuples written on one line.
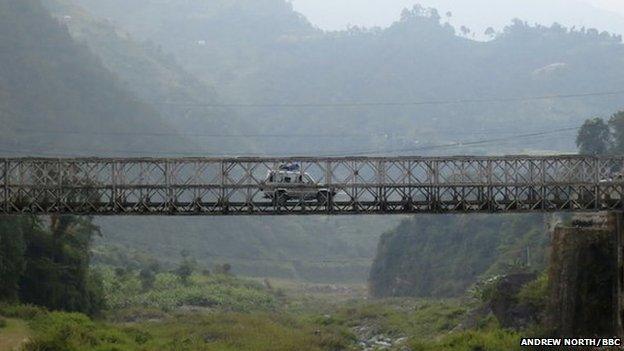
[(320, 325), (443, 256), (47, 264), (430, 256), (217, 331), (147, 307), (168, 291)]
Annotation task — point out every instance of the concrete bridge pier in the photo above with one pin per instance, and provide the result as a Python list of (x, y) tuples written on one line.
[(587, 276), (617, 222)]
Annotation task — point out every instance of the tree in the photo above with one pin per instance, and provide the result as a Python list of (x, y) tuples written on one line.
[(12, 263), (185, 270), (227, 268), (121, 273), (594, 137), (147, 278), (154, 267), (224, 269), (616, 125), (186, 267), (465, 30), (56, 273), (434, 15)]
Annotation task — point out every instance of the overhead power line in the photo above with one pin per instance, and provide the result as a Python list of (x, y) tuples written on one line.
[(460, 144), (294, 261), (359, 152), (387, 103), (444, 131), (206, 135)]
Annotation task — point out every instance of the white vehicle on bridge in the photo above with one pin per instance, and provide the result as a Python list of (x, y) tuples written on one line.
[(288, 183)]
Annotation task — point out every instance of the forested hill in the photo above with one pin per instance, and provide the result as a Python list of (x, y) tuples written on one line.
[(262, 52), (434, 256), (56, 98), (155, 77), (220, 40)]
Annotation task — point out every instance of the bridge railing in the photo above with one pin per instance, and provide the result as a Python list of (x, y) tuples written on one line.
[(361, 184)]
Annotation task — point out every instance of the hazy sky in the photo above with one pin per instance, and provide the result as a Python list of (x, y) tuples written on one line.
[(477, 14)]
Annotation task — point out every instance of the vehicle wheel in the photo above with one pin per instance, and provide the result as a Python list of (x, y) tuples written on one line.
[(322, 197), (280, 198)]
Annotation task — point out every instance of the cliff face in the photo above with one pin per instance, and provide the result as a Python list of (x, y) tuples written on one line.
[(442, 256), (583, 279), (505, 305)]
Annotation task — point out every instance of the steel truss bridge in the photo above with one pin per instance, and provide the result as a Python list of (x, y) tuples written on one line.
[(363, 185)]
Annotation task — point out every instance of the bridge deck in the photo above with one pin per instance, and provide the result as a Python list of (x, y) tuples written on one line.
[(362, 185)]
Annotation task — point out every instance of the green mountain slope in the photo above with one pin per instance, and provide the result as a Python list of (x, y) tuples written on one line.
[(442, 256), (220, 40), (55, 94), (155, 77)]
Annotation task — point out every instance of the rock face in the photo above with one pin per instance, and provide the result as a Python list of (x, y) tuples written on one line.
[(443, 255), (505, 305), (583, 279)]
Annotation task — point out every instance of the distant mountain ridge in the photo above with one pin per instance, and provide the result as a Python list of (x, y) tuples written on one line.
[(266, 53), (477, 15)]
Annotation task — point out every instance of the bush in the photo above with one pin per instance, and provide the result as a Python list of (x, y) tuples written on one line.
[(402, 316), (247, 332), (485, 290), (535, 293), (168, 292), (148, 278), (136, 314), (139, 336), (483, 340), (27, 312), (61, 331)]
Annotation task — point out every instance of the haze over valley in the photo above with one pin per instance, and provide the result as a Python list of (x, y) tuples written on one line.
[(301, 78)]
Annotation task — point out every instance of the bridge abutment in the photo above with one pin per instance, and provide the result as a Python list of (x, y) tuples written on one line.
[(586, 276), (617, 222)]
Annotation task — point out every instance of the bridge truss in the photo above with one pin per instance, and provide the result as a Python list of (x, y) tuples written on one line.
[(363, 185)]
